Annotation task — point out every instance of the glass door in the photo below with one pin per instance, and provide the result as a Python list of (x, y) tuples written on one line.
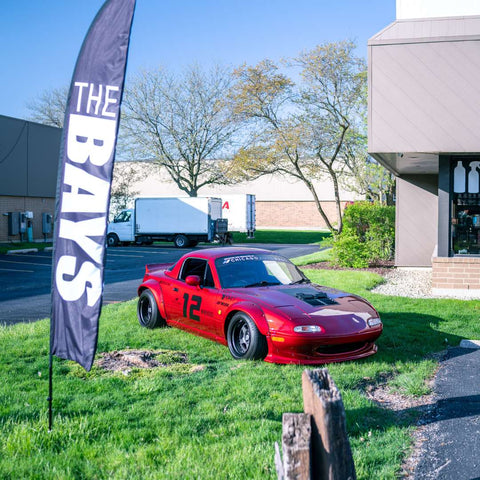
[(465, 219)]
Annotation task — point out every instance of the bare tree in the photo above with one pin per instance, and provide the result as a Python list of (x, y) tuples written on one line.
[(50, 107), (125, 176), (183, 122)]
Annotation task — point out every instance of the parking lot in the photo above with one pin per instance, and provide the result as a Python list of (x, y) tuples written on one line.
[(25, 278)]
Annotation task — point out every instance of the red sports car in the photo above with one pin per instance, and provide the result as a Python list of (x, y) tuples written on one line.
[(260, 305)]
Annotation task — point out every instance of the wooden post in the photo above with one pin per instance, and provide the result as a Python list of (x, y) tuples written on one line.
[(331, 454), (296, 445)]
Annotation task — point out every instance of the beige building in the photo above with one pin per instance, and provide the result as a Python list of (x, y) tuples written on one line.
[(280, 201), (424, 126)]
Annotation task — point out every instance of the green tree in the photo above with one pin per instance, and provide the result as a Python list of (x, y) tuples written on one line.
[(363, 174), (302, 130)]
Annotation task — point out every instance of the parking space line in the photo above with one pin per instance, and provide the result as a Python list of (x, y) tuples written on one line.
[(27, 263), (146, 251), (14, 270), (122, 255), (37, 255)]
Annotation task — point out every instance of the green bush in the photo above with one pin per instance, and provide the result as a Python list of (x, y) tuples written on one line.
[(368, 235)]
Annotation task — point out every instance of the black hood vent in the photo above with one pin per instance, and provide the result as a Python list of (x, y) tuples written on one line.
[(310, 295), (317, 299)]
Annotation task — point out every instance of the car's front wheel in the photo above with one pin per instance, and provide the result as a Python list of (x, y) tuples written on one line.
[(245, 341), (147, 311)]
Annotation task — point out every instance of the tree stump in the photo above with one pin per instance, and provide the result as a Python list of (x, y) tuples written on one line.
[(296, 446), (331, 453)]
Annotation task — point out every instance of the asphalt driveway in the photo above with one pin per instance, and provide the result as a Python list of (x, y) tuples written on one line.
[(25, 278)]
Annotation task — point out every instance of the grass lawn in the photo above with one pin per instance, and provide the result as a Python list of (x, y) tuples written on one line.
[(5, 247), (284, 236), (211, 417)]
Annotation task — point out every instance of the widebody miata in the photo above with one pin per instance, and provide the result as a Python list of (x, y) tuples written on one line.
[(258, 304)]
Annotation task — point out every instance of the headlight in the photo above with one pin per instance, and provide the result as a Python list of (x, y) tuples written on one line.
[(373, 322), (308, 329)]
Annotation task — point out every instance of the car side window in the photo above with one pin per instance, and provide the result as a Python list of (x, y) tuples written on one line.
[(200, 267)]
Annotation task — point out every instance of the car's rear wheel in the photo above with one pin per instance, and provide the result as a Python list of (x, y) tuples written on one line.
[(245, 342), (147, 311), (181, 241)]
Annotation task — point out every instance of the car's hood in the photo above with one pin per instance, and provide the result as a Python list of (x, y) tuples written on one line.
[(338, 312), (305, 297)]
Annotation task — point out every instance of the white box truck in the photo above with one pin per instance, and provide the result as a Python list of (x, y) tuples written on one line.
[(185, 221), (239, 210)]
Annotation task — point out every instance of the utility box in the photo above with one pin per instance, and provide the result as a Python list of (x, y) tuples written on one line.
[(23, 222), (46, 223), (13, 223)]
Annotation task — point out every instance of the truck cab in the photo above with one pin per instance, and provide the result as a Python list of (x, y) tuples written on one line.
[(122, 229)]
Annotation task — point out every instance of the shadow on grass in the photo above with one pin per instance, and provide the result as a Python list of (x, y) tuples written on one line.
[(412, 336), (408, 338)]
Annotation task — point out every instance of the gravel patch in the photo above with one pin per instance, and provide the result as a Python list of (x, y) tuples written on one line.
[(411, 282)]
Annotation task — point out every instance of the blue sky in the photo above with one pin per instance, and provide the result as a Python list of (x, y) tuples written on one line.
[(40, 39)]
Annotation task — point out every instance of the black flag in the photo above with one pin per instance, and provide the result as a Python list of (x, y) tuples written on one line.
[(84, 182)]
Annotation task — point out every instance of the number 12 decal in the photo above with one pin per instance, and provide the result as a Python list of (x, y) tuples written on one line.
[(195, 305)]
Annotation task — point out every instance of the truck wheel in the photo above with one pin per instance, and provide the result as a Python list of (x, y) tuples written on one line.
[(181, 241), (112, 240), (147, 311)]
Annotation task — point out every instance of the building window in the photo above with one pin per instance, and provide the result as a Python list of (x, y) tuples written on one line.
[(465, 220)]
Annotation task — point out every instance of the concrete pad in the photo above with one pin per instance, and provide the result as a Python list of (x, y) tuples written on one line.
[(24, 250), (470, 344)]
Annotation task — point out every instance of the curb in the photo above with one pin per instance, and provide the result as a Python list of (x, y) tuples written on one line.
[(473, 344), (25, 250)]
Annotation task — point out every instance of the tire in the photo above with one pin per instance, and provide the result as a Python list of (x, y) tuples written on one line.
[(147, 311), (112, 240), (181, 241), (245, 342)]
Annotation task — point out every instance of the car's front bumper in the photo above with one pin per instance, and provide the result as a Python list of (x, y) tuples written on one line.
[(308, 349)]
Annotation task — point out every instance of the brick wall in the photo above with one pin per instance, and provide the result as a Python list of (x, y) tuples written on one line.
[(24, 204), (460, 274), (295, 214)]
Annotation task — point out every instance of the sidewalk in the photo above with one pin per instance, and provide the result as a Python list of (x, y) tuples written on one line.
[(451, 449)]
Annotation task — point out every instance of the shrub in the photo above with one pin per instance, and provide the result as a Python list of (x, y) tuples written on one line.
[(368, 235)]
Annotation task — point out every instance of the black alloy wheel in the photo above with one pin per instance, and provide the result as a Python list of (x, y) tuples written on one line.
[(147, 311), (245, 342)]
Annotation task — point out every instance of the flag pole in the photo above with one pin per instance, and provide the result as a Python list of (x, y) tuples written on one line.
[(50, 391), (87, 154)]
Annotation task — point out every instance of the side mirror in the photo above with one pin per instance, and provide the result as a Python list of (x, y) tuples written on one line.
[(193, 280)]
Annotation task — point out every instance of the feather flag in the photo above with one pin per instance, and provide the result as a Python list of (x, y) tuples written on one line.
[(84, 183)]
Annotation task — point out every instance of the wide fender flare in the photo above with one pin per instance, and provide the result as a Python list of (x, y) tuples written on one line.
[(153, 286), (254, 311)]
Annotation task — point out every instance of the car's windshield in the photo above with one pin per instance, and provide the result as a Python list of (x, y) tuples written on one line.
[(252, 270)]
